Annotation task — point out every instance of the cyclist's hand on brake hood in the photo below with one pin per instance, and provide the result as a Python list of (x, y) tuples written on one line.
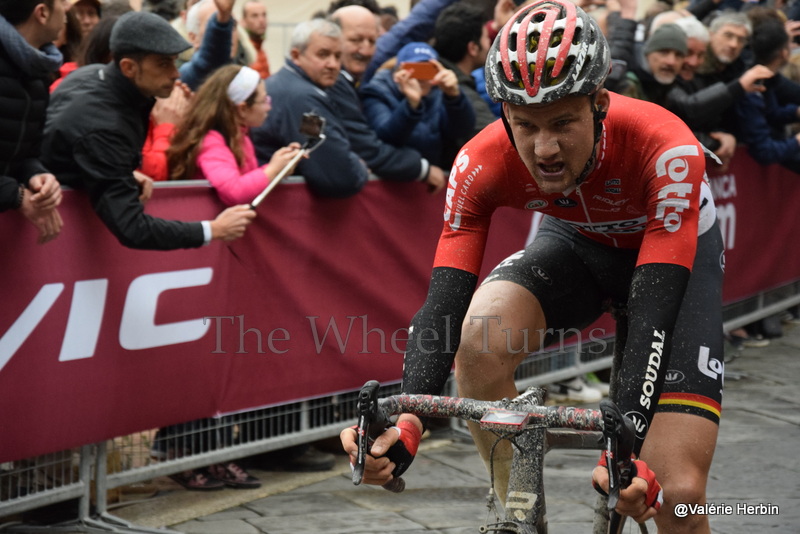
[(641, 500), (391, 453)]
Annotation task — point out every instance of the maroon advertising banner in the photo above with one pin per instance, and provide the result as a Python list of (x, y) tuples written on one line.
[(759, 222), (98, 340)]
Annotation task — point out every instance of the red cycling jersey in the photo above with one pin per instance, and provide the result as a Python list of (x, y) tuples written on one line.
[(644, 191)]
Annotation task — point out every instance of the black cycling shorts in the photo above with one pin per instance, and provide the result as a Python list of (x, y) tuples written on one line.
[(574, 278)]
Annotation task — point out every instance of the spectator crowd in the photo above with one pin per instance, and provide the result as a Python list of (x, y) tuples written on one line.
[(109, 96)]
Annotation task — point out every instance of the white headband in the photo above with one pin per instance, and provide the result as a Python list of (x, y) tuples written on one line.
[(243, 85)]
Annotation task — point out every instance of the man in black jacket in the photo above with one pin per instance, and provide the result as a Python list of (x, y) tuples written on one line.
[(96, 127), (28, 60)]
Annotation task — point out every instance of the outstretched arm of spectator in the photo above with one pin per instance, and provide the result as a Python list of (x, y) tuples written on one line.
[(103, 158), (214, 52)]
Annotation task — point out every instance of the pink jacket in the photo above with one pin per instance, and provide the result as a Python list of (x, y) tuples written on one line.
[(217, 164)]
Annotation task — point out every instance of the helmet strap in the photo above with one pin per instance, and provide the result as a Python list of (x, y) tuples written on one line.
[(507, 126), (597, 118)]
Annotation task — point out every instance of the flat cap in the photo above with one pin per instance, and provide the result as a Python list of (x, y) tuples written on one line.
[(138, 31)]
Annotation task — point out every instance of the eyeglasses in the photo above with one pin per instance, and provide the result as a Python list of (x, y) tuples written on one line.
[(267, 100)]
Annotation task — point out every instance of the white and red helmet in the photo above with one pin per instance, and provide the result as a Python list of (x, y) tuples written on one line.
[(546, 51)]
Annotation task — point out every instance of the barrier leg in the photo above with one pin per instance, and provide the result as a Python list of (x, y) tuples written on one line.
[(104, 518)]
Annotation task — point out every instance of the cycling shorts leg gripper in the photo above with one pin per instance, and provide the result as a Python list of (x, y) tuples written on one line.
[(694, 379), (562, 270)]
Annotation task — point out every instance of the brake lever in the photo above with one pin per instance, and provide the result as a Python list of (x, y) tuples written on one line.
[(619, 436), (371, 424)]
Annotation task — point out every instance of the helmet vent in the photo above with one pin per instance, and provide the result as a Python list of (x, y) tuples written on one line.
[(556, 38), (576, 37), (533, 42)]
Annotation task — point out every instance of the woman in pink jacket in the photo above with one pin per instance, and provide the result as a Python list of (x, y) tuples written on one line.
[(213, 142)]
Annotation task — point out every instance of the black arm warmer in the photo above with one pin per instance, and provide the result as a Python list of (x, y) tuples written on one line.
[(436, 331), (656, 294)]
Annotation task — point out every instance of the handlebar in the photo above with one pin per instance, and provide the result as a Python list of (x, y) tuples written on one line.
[(504, 417)]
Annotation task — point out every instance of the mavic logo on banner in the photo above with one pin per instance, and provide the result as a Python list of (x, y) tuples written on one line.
[(137, 329)]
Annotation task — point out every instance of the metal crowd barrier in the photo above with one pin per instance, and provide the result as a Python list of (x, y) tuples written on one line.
[(88, 474)]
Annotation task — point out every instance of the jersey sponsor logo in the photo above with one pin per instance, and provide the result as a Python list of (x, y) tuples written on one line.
[(673, 198), (639, 423), (613, 181), (627, 226), (614, 190), (452, 213), (542, 274), (651, 373), (536, 204), (565, 202), (606, 210), (609, 201), (674, 377), (711, 367)]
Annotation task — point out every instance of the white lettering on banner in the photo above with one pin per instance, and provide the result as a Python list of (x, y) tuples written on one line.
[(85, 317), (138, 329), (673, 164), (726, 214), (723, 187), (16, 335)]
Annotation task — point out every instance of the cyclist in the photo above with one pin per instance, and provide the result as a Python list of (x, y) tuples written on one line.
[(629, 218)]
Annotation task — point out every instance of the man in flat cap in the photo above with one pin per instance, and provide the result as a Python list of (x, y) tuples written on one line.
[(96, 126)]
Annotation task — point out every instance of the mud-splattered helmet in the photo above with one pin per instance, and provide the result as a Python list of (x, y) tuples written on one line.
[(546, 51)]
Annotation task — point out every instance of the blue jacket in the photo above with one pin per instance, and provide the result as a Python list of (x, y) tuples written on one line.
[(384, 160), (214, 52), (423, 128), (417, 26), (761, 120), (333, 169)]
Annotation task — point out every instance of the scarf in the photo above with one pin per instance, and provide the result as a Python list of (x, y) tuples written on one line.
[(33, 62)]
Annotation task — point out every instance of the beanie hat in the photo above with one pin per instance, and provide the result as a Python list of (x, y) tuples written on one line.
[(667, 37)]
